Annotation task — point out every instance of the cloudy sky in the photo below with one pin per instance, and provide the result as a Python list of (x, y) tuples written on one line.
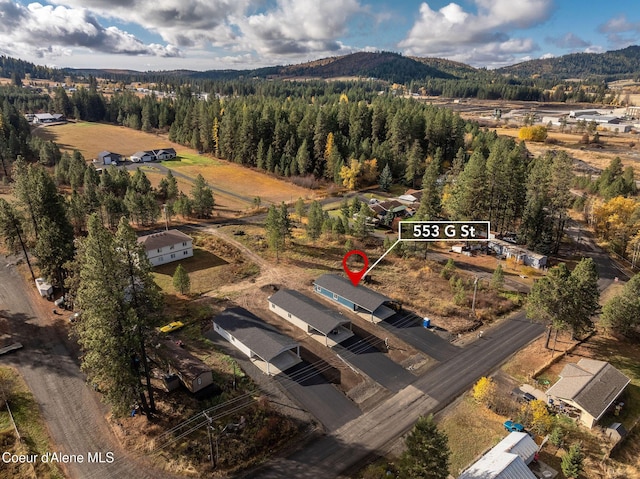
[(238, 34)]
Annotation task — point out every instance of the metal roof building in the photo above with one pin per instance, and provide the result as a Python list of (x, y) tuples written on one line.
[(359, 299), (317, 320), (269, 349), (506, 460)]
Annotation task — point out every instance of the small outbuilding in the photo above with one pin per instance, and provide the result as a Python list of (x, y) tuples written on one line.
[(268, 349), (360, 299), (318, 321), (591, 386), (191, 371)]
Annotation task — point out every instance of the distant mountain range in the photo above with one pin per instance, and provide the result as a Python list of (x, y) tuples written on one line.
[(387, 66)]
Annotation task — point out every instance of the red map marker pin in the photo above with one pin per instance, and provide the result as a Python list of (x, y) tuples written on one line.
[(355, 276)]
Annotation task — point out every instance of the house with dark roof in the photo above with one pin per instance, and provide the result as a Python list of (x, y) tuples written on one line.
[(318, 321), (509, 459), (191, 371), (167, 246), (109, 157), (268, 349), (360, 299), (164, 154), (591, 386)]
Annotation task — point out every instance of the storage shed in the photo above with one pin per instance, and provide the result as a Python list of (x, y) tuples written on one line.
[(193, 373)]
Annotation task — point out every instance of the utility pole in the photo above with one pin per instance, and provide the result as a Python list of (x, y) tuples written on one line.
[(166, 217), (209, 426), (475, 290)]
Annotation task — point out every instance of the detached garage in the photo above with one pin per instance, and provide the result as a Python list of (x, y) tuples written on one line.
[(268, 349), (359, 299), (321, 323)]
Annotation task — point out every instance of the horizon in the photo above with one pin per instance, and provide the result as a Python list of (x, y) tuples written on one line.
[(200, 35)]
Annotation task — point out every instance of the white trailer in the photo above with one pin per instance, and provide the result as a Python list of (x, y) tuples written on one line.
[(44, 288)]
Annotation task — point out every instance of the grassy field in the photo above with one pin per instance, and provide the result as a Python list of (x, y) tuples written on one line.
[(92, 138), (472, 429), (35, 439)]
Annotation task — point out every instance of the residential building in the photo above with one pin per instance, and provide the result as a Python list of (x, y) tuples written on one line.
[(509, 459), (167, 246), (590, 386)]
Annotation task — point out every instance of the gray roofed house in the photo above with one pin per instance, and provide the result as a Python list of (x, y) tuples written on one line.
[(357, 298), (167, 246), (319, 321), (142, 156), (109, 157), (269, 349), (591, 386)]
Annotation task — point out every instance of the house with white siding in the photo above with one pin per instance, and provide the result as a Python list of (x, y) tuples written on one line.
[(167, 246)]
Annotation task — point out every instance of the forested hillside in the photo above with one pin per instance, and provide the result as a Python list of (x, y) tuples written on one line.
[(611, 65)]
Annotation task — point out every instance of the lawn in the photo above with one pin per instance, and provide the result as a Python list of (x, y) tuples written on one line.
[(472, 429), (190, 159), (213, 264), (32, 429)]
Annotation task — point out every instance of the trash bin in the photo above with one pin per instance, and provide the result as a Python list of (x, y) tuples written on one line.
[(426, 322)]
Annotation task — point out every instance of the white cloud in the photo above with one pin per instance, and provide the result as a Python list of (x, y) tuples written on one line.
[(616, 28), (481, 37), (184, 23), (547, 56), (569, 40), (48, 31), (298, 27)]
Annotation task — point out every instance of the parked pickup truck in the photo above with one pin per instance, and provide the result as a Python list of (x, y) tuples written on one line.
[(513, 426)]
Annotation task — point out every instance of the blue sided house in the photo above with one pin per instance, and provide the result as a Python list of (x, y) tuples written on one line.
[(360, 299)]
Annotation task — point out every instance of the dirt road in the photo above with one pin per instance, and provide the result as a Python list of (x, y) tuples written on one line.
[(72, 410)]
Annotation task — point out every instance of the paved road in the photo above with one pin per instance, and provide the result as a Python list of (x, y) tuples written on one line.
[(375, 364), (375, 430), (321, 398), (408, 327), (72, 410)]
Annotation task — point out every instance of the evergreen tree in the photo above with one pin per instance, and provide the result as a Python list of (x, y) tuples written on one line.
[(301, 209), (274, 230), (430, 204), (106, 330), (622, 312), (585, 296), (468, 200), (361, 224), (202, 195), (497, 278), (181, 280), (315, 217), (12, 232), (573, 462), (427, 453), (386, 178)]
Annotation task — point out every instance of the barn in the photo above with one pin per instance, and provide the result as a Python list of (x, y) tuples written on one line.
[(321, 323), (268, 349), (360, 299)]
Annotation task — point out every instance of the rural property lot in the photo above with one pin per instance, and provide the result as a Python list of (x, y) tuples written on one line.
[(92, 138)]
